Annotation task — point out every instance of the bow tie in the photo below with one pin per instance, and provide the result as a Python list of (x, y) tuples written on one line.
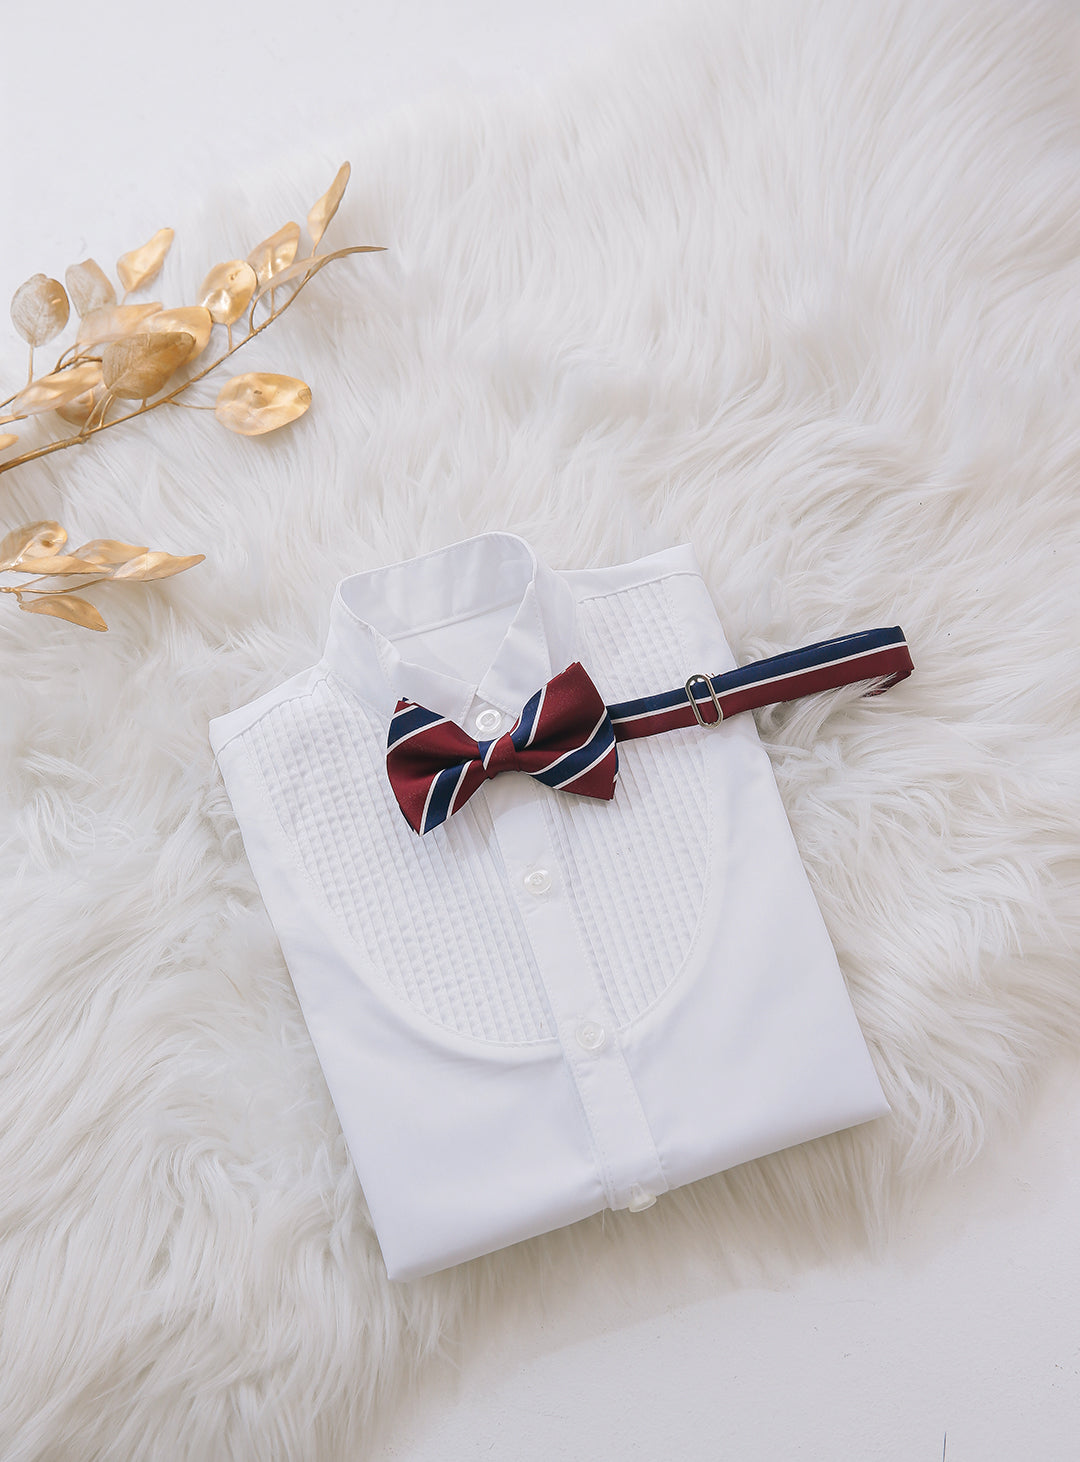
[(564, 737)]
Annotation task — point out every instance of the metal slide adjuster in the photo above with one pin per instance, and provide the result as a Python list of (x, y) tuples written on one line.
[(693, 701)]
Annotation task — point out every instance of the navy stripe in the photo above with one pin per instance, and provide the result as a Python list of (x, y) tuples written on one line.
[(404, 722), (523, 730), (645, 705), (566, 775), (577, 760), (445, 783), (809, 657)]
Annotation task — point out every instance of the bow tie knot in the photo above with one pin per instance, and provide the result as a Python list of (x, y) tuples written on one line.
[(500, 756), (564, 737)]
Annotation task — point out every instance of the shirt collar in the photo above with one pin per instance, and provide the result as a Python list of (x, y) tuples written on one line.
[(373, 610)]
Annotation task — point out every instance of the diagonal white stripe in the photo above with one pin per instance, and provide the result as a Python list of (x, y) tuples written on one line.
[(536, 718), (596, 762), (575, 749), (428, 726), (683, 705), (427, 803), (457, 788)]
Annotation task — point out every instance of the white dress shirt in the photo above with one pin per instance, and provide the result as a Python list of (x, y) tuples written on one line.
[(550, 1004)]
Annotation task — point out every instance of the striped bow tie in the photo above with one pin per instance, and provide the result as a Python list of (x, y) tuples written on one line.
[(566, 736), (563, 737)]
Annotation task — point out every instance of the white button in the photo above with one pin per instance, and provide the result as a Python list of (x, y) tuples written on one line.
[(590, 1035), (488, 720), (640, 1199), (538, 881)]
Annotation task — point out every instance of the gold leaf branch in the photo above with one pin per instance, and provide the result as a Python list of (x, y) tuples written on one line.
[(133, 352), (35, 549)]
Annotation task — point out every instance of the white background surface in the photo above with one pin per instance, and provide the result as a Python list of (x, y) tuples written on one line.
[(966, 1327), (115, 118)]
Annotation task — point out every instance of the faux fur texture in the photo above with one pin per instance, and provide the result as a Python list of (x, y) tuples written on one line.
[(798, 282)]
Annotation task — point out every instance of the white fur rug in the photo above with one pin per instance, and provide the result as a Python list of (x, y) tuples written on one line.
[(798, 282)]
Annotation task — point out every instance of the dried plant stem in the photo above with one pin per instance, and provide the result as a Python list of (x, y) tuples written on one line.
[(80, 355), (27, 588), (91, 428), (100, 408)]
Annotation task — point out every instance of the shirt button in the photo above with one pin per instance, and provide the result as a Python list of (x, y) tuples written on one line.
[(488, 720), (640, 1199), (538, 881), (590, 1036)]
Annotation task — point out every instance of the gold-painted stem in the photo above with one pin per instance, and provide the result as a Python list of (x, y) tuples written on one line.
[(89, 431), (75, 359), (101, 407), (28, 588), (24, 415)]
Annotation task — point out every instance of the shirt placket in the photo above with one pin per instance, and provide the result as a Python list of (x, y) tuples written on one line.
[(627, 1160)]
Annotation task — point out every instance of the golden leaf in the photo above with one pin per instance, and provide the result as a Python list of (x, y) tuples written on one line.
[(65, 606), (89, 286), (62, 563), (40, 309), (156, 565), (140, 265), (314, 262), (101, 551), (259, 402), (323, 211), (49, 392), (276, 252), (227, 289), (79, 408), (7, 439), (32, 540), (113, 322), (139, 365), (195, 319)]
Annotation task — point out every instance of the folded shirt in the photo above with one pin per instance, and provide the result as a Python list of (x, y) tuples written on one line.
[(548, 1004)]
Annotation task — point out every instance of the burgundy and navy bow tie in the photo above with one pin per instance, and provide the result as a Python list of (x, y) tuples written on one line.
[(566, 736), (563, 737)]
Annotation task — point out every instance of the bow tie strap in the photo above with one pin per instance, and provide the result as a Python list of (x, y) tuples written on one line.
[(706, 700)]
